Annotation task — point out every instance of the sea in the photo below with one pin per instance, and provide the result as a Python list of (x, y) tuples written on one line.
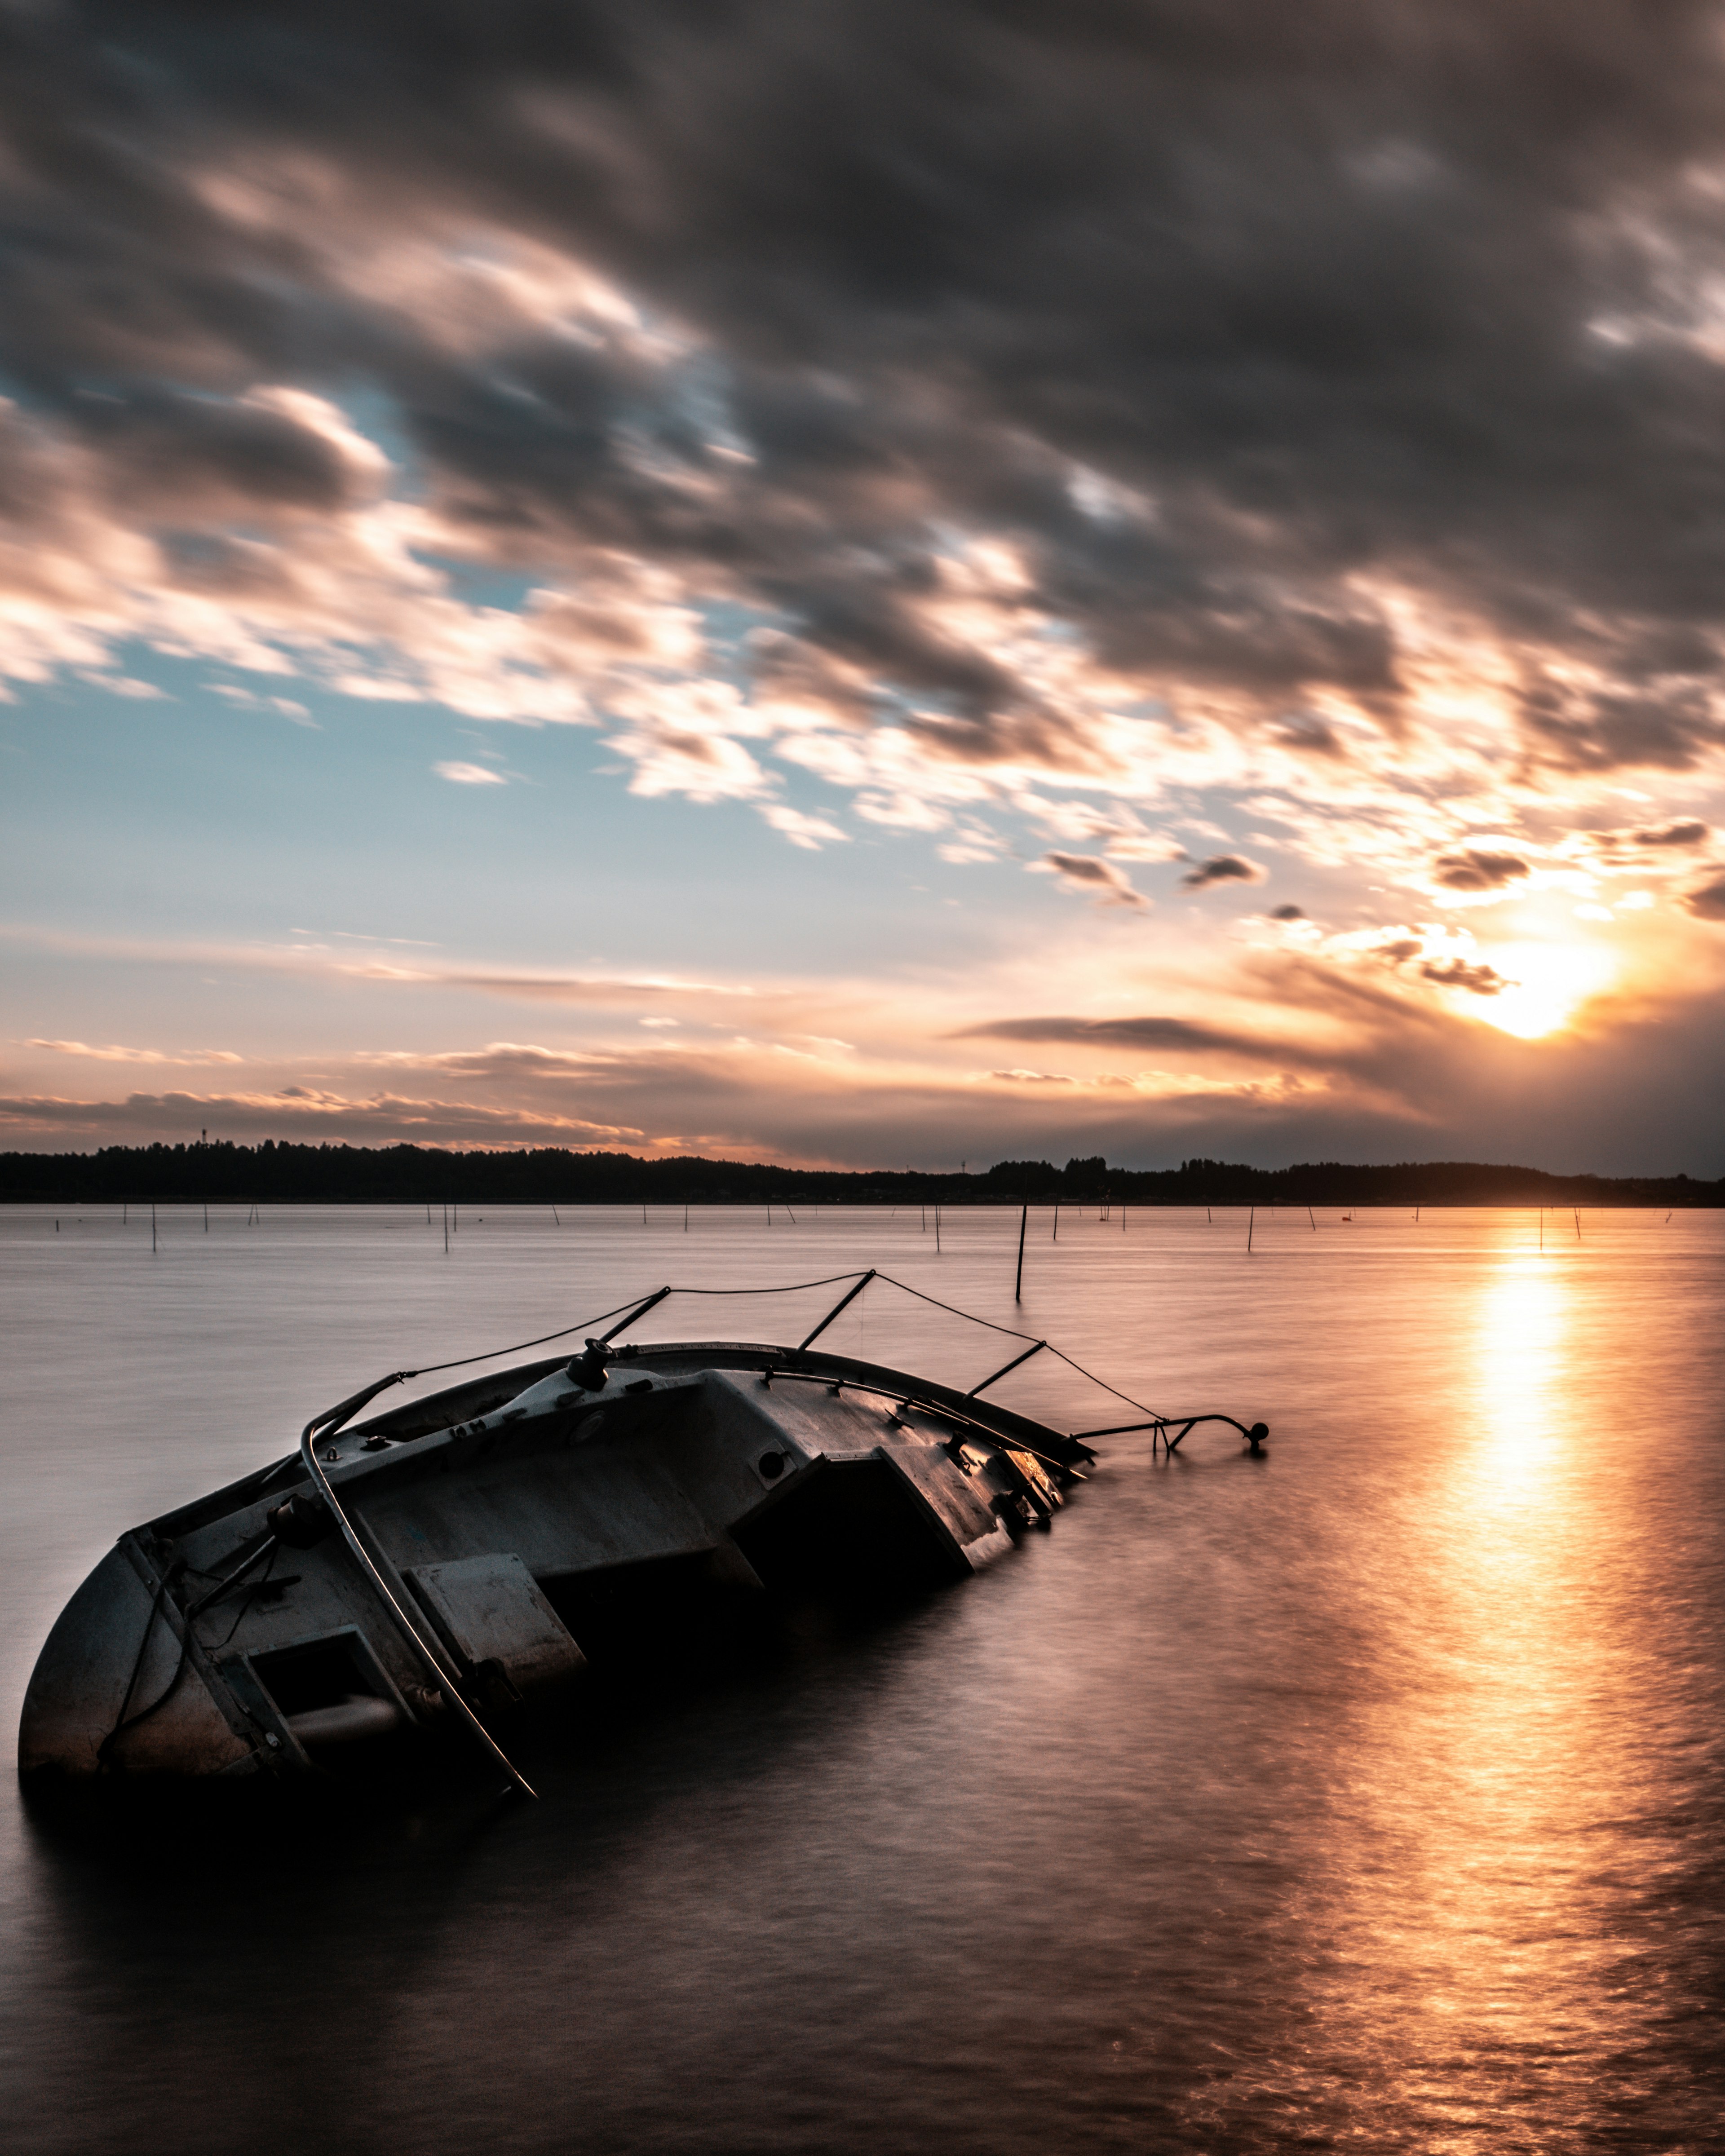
[(1369, 1793)]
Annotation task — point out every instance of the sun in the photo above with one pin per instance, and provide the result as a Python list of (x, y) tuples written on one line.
[(1551, 982)]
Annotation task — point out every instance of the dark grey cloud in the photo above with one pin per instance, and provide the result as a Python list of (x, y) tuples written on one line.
[(1479, 980), (1154, 1034), (1223, 868), (1288, 913), (1690, 833), (1318, 290), (1670, 725), (1473, 870), (1709, 903), (1643, 848), (1090, 872)]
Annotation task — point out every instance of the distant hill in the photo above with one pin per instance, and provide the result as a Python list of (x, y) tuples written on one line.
[(363, 1175)]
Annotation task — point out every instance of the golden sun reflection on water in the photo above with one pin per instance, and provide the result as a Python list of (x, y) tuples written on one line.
[(1501, 1754)]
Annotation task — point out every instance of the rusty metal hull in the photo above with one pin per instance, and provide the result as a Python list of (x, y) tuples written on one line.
[(491, 1534)]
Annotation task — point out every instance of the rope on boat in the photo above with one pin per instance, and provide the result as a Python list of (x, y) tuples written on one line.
[(635, 1305)]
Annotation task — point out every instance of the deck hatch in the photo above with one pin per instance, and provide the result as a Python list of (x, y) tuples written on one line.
[(489, 1612)]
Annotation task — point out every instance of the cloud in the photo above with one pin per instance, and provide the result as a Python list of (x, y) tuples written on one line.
[(1288, 913), (302, 1115), (116, 1055), (1223, 868), (1390, 458), (1145, 1033), (803, 829), (1709, 903), (1479, 980), (1093, 423), (469, 774), (1089, 872), (1691, 833), (1471, 869)]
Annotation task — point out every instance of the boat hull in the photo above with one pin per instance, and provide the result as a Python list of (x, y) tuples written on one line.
[(494, 1539)]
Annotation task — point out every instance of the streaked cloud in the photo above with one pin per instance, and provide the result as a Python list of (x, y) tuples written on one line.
[(1091, 873), (1707, 903), (469, 774), (1474, 870), (1223, 868), (116, 1055)]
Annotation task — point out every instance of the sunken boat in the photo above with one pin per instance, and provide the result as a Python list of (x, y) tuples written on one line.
[(448, 1567)]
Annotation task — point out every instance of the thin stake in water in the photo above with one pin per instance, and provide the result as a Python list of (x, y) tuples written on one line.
[(1019, 1284), (1251, 1223)]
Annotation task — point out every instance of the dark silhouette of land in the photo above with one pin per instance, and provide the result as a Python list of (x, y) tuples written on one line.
[(361, 1175)]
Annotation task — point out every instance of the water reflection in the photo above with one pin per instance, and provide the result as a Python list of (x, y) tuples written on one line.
[(1505, 1761)]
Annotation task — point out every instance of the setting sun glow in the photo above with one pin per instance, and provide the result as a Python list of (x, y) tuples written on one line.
[(1551, 982)]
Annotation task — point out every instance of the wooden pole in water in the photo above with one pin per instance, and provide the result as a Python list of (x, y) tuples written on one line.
[(206, 1219), (555, 1214), (1024, 1221), (1055, 1237), (936, 1228), (686, 1216), (1578, 1223), (1310, 1217), (446, 1231), (152, 1227), (1251, 1223)]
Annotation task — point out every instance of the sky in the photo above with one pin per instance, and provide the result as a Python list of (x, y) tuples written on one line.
[(866, 585)]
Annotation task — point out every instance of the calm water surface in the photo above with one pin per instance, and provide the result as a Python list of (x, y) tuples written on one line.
[(1367, 1795)]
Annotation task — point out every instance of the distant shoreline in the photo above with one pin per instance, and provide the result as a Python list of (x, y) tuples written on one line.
[(272, 1173)]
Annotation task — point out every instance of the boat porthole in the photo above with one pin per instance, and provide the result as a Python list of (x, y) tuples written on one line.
[(770, 1466)]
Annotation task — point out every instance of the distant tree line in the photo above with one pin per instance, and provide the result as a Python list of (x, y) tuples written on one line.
[(363, 1175)]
